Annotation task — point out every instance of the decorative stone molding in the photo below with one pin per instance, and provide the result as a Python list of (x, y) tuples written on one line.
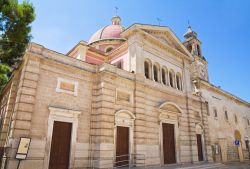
[(64, 112), (63, 115), (125, 118), (67, 86), (169, 113), (124, 96), (199, 129)]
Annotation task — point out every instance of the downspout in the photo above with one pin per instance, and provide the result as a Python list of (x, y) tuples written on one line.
[(202, 119), (188, 113)]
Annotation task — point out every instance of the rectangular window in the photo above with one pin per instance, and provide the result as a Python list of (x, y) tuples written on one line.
[(235, 119), (215, 113), (226, 115), (119, 64), (247, 144), (248, 122), (208, 113)]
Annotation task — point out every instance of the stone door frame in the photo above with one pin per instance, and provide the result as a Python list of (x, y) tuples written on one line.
[(201, 132), (169, 117), (124, 122), (176, 138), (63, 115)]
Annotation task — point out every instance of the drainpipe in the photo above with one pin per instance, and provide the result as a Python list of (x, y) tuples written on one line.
[(188, 113), (202, 119)]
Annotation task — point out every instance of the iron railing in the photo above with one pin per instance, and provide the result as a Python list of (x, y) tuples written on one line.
[(127, 161)]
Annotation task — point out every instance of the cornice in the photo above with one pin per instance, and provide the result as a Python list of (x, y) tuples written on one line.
[(81, 43), (225, 93), (118, 50)]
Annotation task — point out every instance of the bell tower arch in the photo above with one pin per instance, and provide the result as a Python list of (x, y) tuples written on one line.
[(193, 45)]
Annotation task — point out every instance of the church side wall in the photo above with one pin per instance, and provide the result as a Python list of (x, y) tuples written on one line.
[(37, 93), (236, 120)]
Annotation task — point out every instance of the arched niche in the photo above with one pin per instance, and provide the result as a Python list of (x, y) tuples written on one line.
[(124, 118), (237, 135), (199, 129), (169, 110)]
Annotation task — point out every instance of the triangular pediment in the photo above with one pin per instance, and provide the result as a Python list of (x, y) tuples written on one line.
[(164, 34), (166, 37)]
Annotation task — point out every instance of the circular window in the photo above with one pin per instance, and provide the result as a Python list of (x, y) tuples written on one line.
[(109, 49)]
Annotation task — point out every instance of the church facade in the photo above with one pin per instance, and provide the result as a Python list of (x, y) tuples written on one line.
[(137, 95)]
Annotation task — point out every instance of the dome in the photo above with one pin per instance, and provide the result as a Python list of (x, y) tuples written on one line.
[(108, 32)]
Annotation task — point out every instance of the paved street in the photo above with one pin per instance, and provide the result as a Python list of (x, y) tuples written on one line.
[(206, 166), (238, 166)]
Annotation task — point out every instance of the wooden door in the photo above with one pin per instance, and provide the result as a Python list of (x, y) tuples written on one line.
[(60, 145), (168, 143), (122, 146), (199, 147)]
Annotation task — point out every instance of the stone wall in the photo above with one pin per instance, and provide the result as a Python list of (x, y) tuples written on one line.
[(232, 153), (232, 115)]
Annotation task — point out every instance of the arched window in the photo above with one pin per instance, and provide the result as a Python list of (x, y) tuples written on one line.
[(163, 76), (189, 47), (156, 72), (171, 78), (199, 50), (147, 69), (226, 115), (215, 113), (109, 49), (178, 81)]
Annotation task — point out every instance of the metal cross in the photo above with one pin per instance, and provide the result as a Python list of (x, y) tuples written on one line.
[(189, 24), (159, 21), (116, 10)]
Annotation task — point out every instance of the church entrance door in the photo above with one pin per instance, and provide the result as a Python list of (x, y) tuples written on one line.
[(199, 147), (60, 145), (122, 146), (168, 143)]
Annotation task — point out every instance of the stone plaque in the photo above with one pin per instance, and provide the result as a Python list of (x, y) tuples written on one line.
[(67, 86), (123, 96)]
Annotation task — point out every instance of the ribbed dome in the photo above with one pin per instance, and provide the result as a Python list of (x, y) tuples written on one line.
[(108, 32)]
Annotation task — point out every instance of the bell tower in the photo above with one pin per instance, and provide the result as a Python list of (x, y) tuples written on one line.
[(199, 66)]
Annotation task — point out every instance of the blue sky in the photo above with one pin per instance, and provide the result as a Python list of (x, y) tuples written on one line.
[(223, 26)]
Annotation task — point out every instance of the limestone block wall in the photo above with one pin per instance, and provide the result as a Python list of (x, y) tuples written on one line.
[(23, 108), (232, 153), (146, 124), (147, 97), (37, 92), (237, 111), (102, 120), (7, 101), (107, 83)]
